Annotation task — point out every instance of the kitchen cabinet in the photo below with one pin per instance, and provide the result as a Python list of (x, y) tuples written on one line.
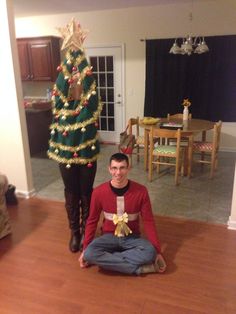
[(39, 58), (38, 122)]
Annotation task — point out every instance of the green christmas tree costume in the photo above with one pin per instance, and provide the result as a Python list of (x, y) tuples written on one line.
[(74, 140)]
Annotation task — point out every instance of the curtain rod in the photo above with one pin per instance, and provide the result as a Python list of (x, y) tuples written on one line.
[(145, 39)]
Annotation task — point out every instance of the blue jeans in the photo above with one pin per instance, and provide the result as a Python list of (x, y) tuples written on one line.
[(121, 254)]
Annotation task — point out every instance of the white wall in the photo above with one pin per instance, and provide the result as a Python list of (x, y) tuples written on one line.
[(232, 217), (14, 149), (129, 26)]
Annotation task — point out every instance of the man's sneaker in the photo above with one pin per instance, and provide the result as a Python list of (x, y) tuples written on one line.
[(152, 268), (148, 268)]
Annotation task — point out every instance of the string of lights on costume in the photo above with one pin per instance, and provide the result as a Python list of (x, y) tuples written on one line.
[(74, 138)]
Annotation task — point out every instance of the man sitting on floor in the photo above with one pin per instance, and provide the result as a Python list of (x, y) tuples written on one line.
[(121, 248)]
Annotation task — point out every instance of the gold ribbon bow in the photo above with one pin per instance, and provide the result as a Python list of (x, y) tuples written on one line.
[(121, 229)]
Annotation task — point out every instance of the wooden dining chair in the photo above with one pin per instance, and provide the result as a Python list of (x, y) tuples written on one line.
[(206, 151), (184, 141), (177, 116), (168, 155), (133, 128)]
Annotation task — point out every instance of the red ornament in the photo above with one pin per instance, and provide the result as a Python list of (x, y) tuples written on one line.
[(70, 81), (74, 68), (96, 124), (75, 155), (56, 117), (59, 68), (86, 103), (76, 113), (89, 165), (65, 133), (54, 93)]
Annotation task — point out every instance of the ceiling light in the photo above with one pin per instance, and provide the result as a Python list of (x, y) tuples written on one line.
[(189, 44)]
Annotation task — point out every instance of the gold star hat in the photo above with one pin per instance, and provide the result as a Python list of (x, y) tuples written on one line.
[(73, 35)]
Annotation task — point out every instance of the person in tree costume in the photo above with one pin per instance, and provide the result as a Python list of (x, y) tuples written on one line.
[(74, 139)]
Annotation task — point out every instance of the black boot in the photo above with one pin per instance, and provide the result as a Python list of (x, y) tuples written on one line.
[(10, 195), (74, 243), (72, 205), (85, 204)]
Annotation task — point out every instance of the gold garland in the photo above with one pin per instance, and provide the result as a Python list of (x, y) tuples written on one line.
[(77, 160), (64, 112), (121, 225), (78, 125), (74, 148), (76, 62), (84, 72), (68, 112), (69, 75), (78, 59)]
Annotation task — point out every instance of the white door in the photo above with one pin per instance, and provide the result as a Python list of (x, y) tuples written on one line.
[(107, 65)]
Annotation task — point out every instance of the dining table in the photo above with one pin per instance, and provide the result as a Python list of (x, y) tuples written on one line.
[(193, 126)]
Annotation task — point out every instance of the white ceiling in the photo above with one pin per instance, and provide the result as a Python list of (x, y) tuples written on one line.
[(24, 8)]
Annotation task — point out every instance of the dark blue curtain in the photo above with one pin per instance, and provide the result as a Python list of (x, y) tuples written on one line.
[(208, 80)]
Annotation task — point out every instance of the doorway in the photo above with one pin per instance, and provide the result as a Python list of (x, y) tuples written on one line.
[(108, 64)]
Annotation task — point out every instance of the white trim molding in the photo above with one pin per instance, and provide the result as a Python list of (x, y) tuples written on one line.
[(26, 194), (227, 149), (231, 224)]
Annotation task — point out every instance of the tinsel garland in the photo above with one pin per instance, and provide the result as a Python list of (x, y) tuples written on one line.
[(73, 149), (65, 100), (77, 125), (79, 160)]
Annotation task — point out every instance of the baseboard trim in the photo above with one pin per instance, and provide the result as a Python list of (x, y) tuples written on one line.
[(228, 149), (231, 224), (26, 194)]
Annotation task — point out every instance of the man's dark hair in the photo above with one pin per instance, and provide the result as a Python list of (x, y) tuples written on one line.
[(119, 157)]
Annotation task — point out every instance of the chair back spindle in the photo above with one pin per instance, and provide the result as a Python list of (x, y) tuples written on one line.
[(208, 151), (167, 155)]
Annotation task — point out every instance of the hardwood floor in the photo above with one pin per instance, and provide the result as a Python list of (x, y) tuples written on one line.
[(38, 274)]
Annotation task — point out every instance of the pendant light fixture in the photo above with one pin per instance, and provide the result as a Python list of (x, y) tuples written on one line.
[(189, 44)]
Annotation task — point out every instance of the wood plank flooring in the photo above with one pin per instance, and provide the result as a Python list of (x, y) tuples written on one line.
[(38, 274)]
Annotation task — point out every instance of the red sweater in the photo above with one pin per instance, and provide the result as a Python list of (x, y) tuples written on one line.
[(136, 200)]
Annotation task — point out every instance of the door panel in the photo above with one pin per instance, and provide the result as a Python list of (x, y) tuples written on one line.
[(107, 69), (24, 60), (40, 60)]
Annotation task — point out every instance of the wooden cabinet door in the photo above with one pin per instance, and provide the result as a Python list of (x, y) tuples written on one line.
[(40, 60), (24, 60)]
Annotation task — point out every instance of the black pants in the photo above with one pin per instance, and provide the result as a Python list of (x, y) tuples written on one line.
[(78, 182), (78, 179)]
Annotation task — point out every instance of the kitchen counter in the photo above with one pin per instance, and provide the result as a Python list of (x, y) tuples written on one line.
[(34, 103), (38, 122)]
